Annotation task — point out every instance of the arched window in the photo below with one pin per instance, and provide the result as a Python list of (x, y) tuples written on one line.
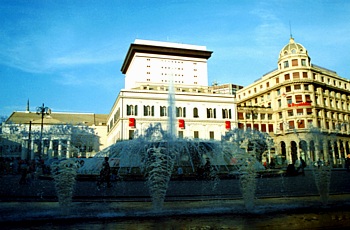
[(195, 112)]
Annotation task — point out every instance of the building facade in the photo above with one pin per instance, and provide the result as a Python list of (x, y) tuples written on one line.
[(304, 107), (162, 75), (25, 135)]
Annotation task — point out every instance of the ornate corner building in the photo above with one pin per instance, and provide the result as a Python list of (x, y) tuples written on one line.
[(304, 107)]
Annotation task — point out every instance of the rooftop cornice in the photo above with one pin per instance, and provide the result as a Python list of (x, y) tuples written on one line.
[(151, 49)]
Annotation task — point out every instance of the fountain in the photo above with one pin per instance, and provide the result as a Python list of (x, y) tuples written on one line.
[(236, 146), (321, 171), (64, 173)]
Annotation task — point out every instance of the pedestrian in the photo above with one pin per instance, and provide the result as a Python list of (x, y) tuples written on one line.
[(105, 174), (291, 170), (180, 173), (24, 172), (347, 164), (302, 165)]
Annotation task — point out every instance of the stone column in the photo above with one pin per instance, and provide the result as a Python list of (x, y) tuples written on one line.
[(24, 149), (333, 153), (59, 148), (317, 153), (344, 155), (325, 151), (68, 148), (32, 150), (50, 155), (288, 153)]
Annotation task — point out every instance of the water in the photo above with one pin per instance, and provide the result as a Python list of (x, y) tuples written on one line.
[(64, 173), (276, 213)]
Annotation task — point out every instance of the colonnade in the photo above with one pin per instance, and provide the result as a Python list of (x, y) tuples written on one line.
[(49, 148), (329, 150)]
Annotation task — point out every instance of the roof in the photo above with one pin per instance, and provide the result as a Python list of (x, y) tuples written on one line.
[(293, 48), (59, 118), (160, 48)]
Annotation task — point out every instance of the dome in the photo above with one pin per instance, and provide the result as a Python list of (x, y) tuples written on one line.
[(293, 48)]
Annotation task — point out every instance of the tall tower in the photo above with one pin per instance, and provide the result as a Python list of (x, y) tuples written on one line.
[(157, 63)]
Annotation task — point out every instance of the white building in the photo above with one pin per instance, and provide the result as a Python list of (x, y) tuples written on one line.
[(63, 135), (152, 69)]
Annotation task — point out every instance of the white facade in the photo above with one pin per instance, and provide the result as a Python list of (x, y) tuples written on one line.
[(203, 115), (150, 68)]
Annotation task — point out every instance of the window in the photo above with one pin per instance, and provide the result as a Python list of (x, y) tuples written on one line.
[(148, 110), (295, 62), (131, 110), (278, 92), (240, 116), (307, 98), (247, 115), (304, 74), (296, 75), (290, 113), (297, 87), (301, 124), (195, 113), (196, 134), (291, 124), (211, 135), (306, 86), (181, 134), (279, 103), (262, 116), (286, 76), (269, 116), (211, 113), (180, 112), (288, 89), (289, 100), (226, 113), (298, 98), (280, 115), (163, 111), (267, 84), (285, 64), (300, 112), (303, 62), (131, 134), (281, 126), (277, 80)]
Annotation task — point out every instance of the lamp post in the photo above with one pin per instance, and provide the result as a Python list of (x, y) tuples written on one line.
[(42, 110)]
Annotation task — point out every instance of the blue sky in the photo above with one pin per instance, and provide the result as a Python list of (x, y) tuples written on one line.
[(68, 54)]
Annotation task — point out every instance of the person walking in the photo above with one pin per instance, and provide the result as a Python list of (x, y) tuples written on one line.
[(24, 172), (105, 174), (302, 166)]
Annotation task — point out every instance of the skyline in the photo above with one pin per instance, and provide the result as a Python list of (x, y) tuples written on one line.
[(68, 54)]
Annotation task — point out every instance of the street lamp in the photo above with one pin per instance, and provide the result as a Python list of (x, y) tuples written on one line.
[(42, 110)]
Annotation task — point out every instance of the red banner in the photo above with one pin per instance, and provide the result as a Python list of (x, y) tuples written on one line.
[(132, 122), (299, 104), (228, 124), (181, 123)]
